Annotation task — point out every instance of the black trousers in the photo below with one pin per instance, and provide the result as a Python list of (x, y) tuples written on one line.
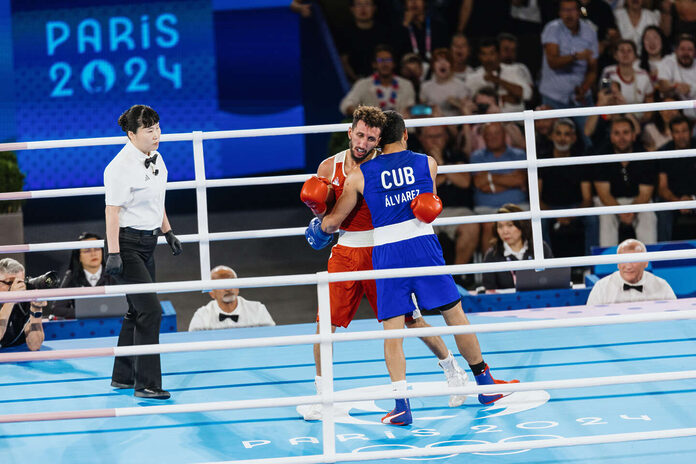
[(141, 324)]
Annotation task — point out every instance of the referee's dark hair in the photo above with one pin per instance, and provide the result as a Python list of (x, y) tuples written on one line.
[(137, 116), (394, 128)]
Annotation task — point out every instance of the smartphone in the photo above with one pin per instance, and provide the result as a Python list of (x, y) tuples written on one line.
[(421, 110)]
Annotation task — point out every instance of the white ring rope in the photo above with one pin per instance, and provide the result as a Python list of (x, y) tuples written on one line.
[(310, 339), (326, 128), (348, 397), (297, 231), (325, 338), (265, 180), (312, 279), (297, 178)]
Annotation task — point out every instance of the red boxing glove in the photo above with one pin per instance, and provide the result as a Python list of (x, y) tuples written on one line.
[(426, 207), (315, 193)]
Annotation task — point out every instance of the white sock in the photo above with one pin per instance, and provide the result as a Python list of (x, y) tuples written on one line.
[(317, 383), (401, 386), (448, 363)]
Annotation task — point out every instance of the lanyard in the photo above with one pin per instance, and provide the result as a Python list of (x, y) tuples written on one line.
[(428, 39)]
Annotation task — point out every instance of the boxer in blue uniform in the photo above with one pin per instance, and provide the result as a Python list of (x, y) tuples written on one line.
[(399, 189)]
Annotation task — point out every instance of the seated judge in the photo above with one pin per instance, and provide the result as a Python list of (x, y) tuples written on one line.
[(512, 241), (85, 270), (630, 282), (227, 309)]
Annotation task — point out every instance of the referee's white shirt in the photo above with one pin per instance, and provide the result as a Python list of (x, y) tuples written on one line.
[(136, 189), (250, 314), (610, 289)]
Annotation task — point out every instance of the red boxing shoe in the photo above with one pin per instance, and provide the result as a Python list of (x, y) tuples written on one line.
[(485, 378)]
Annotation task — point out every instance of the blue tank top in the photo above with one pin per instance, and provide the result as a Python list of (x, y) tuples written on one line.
[(391, 182)]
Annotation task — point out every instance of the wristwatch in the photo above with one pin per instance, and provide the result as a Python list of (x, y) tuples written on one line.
[(38, 313)]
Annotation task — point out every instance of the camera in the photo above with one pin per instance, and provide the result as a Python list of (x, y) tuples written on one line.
[(482, 108), (47, 280), (605, 85)]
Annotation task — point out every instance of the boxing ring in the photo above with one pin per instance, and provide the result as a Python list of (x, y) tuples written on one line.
[(597, 384)]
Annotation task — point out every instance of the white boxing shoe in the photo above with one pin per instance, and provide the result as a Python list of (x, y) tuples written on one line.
[(310, 412), (456, 377)]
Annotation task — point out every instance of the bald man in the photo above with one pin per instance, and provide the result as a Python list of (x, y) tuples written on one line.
[(630, 282), (227, 309)]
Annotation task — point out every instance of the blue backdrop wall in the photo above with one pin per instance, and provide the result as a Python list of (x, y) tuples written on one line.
[(71, 68)]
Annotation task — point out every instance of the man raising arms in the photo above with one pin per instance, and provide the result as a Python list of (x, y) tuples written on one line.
[(354, 249)]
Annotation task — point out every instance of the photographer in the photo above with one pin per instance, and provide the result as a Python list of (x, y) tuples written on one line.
[(634, 84), (511, 86), (21, 322), (485, 101), (597, 126)]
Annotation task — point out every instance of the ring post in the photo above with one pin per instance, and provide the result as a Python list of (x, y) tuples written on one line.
[(326, 357), (533, 184), (201, 205)]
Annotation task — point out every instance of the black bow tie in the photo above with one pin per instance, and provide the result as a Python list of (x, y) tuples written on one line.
[(234, 317), (150, 160), (634, 287)]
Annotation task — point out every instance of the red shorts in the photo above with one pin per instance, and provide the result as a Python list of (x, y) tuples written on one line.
[(346, 296)]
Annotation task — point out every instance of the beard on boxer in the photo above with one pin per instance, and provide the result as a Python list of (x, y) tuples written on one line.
[(360, 156)]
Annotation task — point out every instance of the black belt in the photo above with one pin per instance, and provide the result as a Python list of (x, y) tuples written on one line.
[(131, 230)]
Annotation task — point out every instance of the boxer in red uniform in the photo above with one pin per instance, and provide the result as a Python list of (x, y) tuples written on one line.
[(353, 252), (399, 189)]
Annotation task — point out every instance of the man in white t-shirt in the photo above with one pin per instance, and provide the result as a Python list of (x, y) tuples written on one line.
[(459, 46), (634, 83), (678, 70), (507, 48), (509, 83), (227, 309), (630, 282), (384, 89)]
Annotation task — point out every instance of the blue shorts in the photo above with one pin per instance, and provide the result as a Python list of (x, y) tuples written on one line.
[(394, 295)]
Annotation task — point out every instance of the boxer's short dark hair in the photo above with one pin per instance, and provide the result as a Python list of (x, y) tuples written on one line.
[(394, 128)]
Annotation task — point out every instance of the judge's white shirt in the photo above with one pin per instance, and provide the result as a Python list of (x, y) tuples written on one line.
[(137, 190), (250, 314), (93, 279), (610, 289)]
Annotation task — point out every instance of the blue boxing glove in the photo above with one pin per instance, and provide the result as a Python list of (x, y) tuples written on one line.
[(316, 237)]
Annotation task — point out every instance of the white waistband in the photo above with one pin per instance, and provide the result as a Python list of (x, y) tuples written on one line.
[(355, 238), (401, 231)]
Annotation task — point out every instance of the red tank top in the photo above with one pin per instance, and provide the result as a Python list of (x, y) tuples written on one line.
[(358, 219)]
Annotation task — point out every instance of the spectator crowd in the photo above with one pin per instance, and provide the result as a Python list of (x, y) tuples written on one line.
[(433, 58), (429, 58)]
